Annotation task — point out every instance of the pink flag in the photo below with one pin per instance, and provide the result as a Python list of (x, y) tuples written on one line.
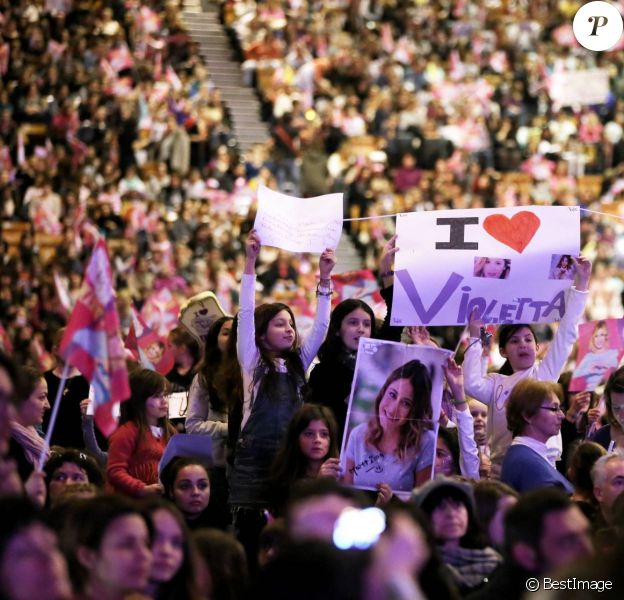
[(160, 311), (92, 342), (361, 285), (149, 348), (62, 293)]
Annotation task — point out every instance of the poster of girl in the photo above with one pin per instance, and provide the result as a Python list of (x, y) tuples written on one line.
[(599, 353), (492, 268), (390, 438)]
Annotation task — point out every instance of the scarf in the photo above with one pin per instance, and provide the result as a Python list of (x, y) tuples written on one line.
[(31, 442), (470, 566)]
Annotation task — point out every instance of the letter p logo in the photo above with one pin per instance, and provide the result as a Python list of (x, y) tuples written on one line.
[(598, 22), (598, 26)]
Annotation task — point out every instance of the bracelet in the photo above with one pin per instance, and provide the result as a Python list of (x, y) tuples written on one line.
[(328, 293), (458, 402), (389, 273)]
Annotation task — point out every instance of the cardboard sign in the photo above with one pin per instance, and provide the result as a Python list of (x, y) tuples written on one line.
[(396, 387), (299, 224), (513, 265), (199, 312)]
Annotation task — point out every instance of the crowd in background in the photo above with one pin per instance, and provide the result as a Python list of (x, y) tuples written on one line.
[(110, 125)]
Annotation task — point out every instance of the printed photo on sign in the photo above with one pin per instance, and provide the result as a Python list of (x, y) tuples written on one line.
[(394, 405), (562, 267), (600, 350), (492, 268), (496, 262)]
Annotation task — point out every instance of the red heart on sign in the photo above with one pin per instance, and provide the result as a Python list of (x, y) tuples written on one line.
[(516, 232)]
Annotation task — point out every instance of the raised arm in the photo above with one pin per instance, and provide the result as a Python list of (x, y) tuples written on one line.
[(468, 452), (246, 340), (386, 273), (323, 309), (476, 384), (565, 337)]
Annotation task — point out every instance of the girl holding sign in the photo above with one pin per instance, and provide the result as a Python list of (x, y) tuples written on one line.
[(352, 319), (397, 445), (518, 345), (273, 365)]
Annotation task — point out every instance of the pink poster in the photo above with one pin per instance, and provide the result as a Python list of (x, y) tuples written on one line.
[(600, 349)]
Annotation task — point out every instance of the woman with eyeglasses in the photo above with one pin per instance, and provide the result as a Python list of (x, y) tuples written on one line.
[(533, 416)]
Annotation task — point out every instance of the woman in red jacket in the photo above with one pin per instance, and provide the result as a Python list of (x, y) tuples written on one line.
[(136, 447)]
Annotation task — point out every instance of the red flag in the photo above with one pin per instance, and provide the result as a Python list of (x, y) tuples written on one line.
[(92, 342), (148, 347), (361, 285), (5, 340)]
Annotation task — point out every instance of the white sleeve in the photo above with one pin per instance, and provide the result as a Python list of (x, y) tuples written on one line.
[(477, 385), (469, 462)]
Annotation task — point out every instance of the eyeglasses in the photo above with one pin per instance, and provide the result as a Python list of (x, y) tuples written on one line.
[(552, 409)]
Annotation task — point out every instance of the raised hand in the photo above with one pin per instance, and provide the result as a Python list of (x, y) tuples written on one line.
[(326, 263), (583, 273), (252, 245), (386, 260), (475, 324), (330, 468)]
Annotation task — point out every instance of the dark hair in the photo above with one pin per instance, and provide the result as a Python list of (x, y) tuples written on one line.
[(305, 489), (524, 521), (170, 473), (144, 384), (266, 366), (214, 361), (18, 513), (504, 334), (503, 275), (86, 526), (224, 557), (615, 383), (525, 399), (472, 538), (290, 464), (332, 346), (580, 464), (450, 438), (30, 378), (182, 585), (487, 495), (15, 376), (81, 458), (568, 258), (419, 418), (181, 337)]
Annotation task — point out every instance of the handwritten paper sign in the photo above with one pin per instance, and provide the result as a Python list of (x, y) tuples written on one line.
[(600, 350), (396, 395), (579, 87), (299, 224), (512, 265)]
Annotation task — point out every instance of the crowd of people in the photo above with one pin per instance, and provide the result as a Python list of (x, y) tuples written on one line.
[(111, 126)]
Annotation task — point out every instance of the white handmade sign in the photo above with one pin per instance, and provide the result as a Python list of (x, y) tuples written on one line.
[(579, 87), (299, 224), (512, 265)]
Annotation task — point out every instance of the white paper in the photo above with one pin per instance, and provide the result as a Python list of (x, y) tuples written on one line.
[(579, 87), (299, 224), (178, 404), (441, 275)]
